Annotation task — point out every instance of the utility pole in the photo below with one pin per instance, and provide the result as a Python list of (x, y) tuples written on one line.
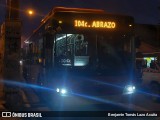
[(11, 39), (158, 35)]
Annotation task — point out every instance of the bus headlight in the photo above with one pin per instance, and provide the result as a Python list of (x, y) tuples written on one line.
[(57, 90), (61, 91), (129, 89)]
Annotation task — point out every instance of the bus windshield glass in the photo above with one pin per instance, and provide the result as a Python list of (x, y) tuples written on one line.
[(103, 53), (114, 54), (72, 50)]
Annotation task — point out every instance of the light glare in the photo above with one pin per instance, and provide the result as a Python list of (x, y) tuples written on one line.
[(130, 88), (63, 91), (21, 62), (57, 90), (30, 12)]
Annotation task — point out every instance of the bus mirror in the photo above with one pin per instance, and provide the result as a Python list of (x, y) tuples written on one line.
[(137, 42)]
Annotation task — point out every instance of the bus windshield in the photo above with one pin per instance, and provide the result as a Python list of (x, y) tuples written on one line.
[(103, 53), (114, 54)]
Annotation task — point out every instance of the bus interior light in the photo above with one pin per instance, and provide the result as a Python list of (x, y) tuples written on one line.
[(21, 62), (63, 37), (60, 22)]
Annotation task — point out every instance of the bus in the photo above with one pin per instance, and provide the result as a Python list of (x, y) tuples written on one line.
[(85, 51)]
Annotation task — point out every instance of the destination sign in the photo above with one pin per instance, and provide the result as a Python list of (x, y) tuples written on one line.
[(95, 24)]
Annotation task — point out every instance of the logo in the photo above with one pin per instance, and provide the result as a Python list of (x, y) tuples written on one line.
[(6, 114)]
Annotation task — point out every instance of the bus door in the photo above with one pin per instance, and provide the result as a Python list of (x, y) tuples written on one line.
[(81, 57)]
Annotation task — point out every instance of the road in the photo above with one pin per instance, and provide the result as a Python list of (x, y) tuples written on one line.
[(139, 102), (29, 100)]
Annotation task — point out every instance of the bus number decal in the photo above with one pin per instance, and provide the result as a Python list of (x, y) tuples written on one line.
[(80, 23), (65, 60), (95, 24)]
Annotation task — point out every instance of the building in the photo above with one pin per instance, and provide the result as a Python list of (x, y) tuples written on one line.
[(11, 36), (12, 9), (11, 29), (149, 35)]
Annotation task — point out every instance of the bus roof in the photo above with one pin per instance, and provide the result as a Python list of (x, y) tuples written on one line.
[(66, 9)]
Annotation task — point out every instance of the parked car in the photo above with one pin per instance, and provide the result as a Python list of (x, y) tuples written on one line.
[(151, 79)]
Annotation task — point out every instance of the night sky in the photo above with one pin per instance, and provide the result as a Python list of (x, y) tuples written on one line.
[(144, 11)]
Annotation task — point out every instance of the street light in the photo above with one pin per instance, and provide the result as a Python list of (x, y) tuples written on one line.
[(30, 12)]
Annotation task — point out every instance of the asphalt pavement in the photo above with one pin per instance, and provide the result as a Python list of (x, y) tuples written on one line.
[(33, 101)]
